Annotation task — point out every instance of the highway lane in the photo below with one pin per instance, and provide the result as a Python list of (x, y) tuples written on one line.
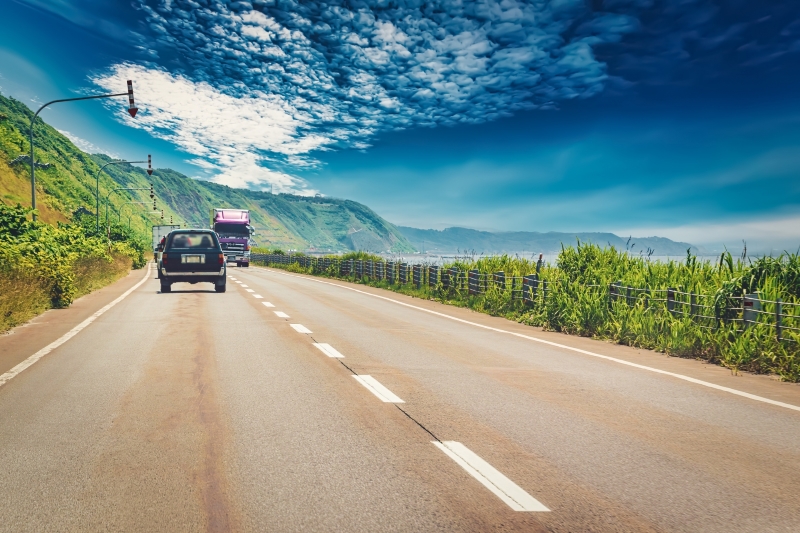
[(200, 411), (609, 441)]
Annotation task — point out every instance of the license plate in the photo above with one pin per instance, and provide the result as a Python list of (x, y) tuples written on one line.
[(193, 258)]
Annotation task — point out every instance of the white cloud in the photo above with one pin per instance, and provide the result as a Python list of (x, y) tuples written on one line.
[(286, 79), (227, 133), (87, 146)]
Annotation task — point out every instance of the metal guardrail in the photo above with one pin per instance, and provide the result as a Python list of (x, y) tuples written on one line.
[(708, 311)]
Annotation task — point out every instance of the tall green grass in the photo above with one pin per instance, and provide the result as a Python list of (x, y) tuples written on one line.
[(578, 302)]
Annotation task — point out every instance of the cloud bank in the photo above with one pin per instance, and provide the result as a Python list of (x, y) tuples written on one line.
[(265, 84), (254, 88)]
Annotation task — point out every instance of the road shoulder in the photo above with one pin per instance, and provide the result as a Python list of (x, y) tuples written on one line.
[(22, 341)]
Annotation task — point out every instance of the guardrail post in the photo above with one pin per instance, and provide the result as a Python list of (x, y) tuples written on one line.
[(613, 292), (529, 286), (473, 279), (692, 304), (671, 300), (433, 276), (544, 292), (417, 272), (500, 279), (750, 305), (778, 312)]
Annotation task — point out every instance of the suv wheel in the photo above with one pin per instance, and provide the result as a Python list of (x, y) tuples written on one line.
[(166, 287), (219, 287)]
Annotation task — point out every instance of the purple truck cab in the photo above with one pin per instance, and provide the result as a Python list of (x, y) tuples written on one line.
[(234, 231)]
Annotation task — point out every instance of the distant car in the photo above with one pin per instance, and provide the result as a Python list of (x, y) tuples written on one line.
[(192, 256)]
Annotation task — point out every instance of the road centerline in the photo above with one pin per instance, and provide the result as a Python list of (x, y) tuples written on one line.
[(682, 377), (491, 478), (376, 388), (328, 350)]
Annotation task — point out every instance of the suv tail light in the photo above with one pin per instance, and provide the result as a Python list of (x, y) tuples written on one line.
[(163, 259), (221, 259)]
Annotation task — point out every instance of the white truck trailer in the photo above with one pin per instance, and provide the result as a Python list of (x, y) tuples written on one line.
[(159, 232)]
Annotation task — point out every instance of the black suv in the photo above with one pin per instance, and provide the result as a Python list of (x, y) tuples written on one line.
[(192, 256)]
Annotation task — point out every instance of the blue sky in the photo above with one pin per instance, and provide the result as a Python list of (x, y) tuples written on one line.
[(676, 117)]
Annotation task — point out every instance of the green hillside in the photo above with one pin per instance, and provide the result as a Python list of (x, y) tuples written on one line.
[(66, 183)]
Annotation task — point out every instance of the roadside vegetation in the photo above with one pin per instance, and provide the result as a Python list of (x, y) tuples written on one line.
[(44, 266), (580, 300)]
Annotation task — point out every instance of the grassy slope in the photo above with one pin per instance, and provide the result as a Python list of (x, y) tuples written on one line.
[(69, 183), (286, 221)]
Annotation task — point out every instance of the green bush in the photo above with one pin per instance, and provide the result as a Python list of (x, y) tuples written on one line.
[(55, 264)]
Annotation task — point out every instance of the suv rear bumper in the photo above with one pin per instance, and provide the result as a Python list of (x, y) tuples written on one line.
[(212, 276)]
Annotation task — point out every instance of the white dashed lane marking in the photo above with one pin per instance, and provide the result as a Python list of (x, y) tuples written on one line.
[(562, 346), (243, 285), (249, 290), (281, 314), (375, 387), (257, 296), (328, 350), (267, 304), (300, 328), (490, 477)]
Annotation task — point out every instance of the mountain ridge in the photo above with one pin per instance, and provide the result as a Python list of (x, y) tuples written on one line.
[(460, 239), (66, 184)]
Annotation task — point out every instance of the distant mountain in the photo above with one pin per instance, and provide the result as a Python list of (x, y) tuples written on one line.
[(66, 183), (452, 240), (281, 220)]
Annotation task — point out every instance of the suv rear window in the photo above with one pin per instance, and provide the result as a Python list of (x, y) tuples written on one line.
[(193, 240)]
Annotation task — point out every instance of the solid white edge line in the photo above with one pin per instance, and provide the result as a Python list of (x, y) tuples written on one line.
[(565, 347), (300, 328), (328, 350), (11, 374), (376, 388), (267, 304), (281, 314), (491, 478)]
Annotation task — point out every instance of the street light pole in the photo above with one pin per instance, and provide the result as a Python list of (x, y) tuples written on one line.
[(108, 196), (97, 188), (119, 213), (132, 109)]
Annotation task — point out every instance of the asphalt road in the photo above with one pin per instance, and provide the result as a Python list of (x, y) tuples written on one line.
[(195, 411)]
